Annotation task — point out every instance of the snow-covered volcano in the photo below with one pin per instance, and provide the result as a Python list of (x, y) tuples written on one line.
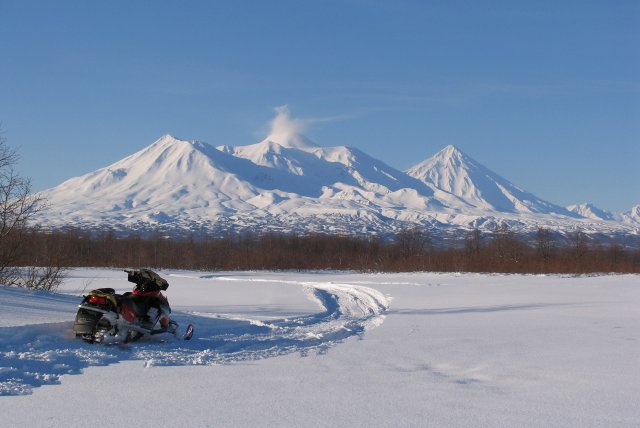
[(288, 183), (455, 172), (287, 149), (187, 185), (168, 173)]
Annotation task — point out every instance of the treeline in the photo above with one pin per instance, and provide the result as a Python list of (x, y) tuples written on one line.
[(409, 250)]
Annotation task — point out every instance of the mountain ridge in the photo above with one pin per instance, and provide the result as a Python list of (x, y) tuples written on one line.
[(455, 172), (299, 186), (588, 210)]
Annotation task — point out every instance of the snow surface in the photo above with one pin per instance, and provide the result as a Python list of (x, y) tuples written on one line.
[(335, 349)]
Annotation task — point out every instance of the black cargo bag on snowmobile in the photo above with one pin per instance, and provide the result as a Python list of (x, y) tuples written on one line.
[(146, 280)]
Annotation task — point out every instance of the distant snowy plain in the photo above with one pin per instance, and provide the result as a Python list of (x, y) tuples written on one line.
[(335, 349)]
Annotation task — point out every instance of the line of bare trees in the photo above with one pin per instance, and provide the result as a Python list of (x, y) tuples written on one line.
[(502, 250)]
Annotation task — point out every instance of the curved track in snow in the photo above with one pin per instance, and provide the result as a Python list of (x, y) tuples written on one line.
[(35, 355)]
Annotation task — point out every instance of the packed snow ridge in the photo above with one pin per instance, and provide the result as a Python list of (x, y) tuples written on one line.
[(288, 183)]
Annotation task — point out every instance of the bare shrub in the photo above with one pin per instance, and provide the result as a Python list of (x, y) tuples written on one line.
[(17, 207), (46, 278)]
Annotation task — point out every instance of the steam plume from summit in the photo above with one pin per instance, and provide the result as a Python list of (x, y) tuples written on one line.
[(288, 131)]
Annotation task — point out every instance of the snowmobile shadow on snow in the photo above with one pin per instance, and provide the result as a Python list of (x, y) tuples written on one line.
[(36, 355)]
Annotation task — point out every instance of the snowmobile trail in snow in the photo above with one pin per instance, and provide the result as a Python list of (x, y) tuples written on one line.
[(348, 310), (39, 354)]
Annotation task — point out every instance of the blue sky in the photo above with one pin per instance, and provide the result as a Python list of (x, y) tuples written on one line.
[(546, 94)]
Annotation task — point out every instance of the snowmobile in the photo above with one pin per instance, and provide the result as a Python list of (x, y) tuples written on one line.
[(106, 317)]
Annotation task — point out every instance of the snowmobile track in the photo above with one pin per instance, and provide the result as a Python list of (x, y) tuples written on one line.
[(35, 355)]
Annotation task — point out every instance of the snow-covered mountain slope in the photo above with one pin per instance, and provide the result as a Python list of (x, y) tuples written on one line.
[(294, 153), (287, 183), (189, 185), (169, 172), (455, 172), (632, 216), (591, 211)]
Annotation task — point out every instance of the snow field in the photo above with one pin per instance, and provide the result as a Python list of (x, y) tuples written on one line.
[(298, 349), (38, 354)]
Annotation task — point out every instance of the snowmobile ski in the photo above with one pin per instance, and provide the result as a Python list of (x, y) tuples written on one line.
[(188, 333)]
